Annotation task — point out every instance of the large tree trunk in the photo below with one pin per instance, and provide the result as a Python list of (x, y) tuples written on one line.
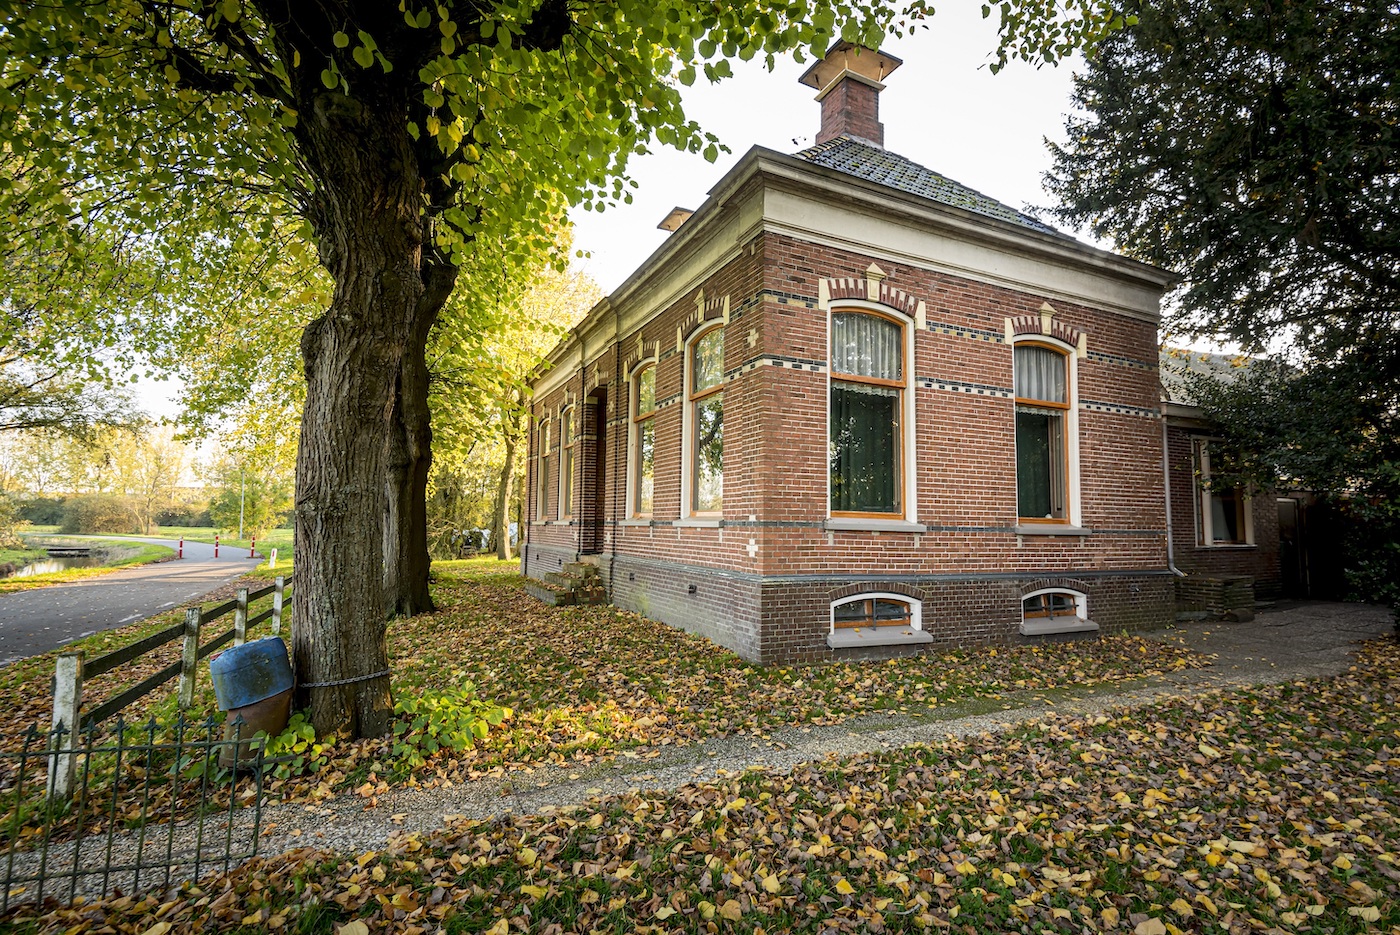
[(370, 236), (410, 459), (503, 493)]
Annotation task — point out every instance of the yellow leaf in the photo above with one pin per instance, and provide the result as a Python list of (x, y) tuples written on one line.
[(1206, 903), (844, 888), (502, 927), (707, 910), (253, 918), (538, 892), (526, 856), (772, 884), (965, 868), (664, 913), (1109, 916), (1342, 863), (353, 928), (1060, 912), (1008, 879), (1367, 913), (1150, 927), (366, 857), (160, 928), (730, 910), (1182, 908)]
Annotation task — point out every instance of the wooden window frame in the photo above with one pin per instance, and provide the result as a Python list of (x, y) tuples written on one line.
[(902, 385), (1205, 522), (692, 401), (1049, 611), (542, 474), (568, 460), (913, 616), (1067, 407), (638, 425)]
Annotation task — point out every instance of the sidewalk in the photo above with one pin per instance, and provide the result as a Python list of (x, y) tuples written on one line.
[(1293, 641)]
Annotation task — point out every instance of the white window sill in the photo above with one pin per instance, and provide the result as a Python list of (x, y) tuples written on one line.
[(1226, 546), (1047, 626), (699, 521), (863, 524), (1052, 529), (560, 522), (636, 522), (858, 637)]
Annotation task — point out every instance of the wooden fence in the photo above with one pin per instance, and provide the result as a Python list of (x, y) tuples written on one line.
[(71, 670)]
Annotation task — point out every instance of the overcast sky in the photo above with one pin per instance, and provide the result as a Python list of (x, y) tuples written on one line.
[(942, 108)]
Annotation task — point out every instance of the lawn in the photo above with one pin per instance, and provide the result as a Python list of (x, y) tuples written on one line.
[(1269, 810), (122, 554)]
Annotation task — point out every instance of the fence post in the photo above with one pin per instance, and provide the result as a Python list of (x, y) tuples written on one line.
[(277, 587), (189, 659), (240, 618), (67, 699)]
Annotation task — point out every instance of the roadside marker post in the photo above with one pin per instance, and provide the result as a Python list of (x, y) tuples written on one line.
[(272, 559), (181, 552), (216, 545), (252, 544)]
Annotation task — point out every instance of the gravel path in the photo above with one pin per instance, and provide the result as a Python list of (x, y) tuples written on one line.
[(1285, 643)]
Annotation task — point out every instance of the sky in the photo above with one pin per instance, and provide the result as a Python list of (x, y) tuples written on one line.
[(942, 108)]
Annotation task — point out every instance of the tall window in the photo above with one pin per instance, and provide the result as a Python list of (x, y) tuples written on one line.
[(568, 438), (1222, 516), (1042, 409), (542, 475), (643, 440), (706, 401), (867, 399)]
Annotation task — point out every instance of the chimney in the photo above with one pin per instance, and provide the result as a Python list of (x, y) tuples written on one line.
[(849, 80)]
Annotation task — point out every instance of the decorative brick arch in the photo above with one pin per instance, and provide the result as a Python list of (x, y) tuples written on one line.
[(1043, 584), (873, 587), (872, 288), (1045, 324)]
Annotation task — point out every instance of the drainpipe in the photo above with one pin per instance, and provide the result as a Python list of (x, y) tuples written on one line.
[(1167, 487)]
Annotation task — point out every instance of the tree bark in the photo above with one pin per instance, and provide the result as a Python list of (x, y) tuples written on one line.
[(503, 493), (410, 459), (370, 234)]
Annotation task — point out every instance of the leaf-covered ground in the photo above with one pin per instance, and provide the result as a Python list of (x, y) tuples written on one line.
[(1270, 810), (589, 682)]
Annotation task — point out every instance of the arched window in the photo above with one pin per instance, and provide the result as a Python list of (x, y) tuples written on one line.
[(1043, 410), (873, 610), (705, 417), (542, 474), (1055, 610), (868, 379), (568, 442), (643, 444)]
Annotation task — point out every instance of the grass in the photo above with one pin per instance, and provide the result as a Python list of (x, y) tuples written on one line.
[(20, 556), (122, 554), (1165, 819)]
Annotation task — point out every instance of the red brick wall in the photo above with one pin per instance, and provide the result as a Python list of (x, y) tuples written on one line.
[(852, 107), (970, 567), (1260, 561)]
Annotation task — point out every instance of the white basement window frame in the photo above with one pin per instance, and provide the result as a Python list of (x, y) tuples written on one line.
[(1055, 610), (873, 625)]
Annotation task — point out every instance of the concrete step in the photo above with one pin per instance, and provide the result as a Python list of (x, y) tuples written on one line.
[(561, 579)]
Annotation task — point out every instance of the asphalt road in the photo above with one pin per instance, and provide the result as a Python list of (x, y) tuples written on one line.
[(32, 622)]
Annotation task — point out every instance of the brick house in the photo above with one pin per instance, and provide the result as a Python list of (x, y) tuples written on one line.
[(1230, 546), (852, 408)]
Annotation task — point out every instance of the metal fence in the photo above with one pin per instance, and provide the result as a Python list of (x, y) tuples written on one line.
[(152, 806)]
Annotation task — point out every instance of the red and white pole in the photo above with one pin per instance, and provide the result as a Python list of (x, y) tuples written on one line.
[(252, 543), (216, 545), (181, 552)]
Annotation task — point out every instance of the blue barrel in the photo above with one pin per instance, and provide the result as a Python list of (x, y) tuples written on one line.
[(251, 673)]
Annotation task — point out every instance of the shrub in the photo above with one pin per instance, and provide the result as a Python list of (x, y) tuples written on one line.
[(98, 513), (42, 511), (433, 719)]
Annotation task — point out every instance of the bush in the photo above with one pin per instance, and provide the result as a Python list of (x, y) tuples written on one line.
[(183, 514), (99, 512), (451, 718), (42, 511)]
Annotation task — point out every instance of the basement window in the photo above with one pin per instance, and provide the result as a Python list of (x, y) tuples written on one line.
[(1054, 610), (876, 620)]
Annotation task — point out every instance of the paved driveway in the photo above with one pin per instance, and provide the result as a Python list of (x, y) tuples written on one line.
[(32, 622)]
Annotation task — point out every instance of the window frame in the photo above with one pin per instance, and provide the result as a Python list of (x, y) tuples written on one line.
[(1070, 408), (1205, 515), (568, 460), (906, 482), (690, 466), (1081, 606), (636, 425), (542, 472), (913, 620)]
